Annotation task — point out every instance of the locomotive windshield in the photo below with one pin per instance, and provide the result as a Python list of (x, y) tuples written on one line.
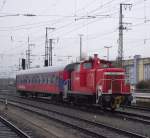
[(104, 65), (87, 65)]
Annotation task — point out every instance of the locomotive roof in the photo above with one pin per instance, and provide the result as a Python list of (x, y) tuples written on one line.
[(41, 70)]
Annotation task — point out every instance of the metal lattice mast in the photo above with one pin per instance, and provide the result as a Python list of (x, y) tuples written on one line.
[(121, 28), (120, 47), (48, 58)]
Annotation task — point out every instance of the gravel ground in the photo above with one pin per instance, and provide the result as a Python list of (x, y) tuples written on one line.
[(37, 126)]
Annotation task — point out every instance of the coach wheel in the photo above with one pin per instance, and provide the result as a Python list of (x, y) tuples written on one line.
[(104, 106)]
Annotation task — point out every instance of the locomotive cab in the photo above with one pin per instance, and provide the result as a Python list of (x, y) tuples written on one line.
[(96, 81)]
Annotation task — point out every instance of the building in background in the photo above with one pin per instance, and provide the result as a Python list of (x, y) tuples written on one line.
[(137, 69)]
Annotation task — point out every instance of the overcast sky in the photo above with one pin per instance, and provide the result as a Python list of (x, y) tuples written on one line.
[(97, 20)]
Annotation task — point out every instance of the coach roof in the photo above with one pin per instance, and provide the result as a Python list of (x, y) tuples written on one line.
[(41, 70)]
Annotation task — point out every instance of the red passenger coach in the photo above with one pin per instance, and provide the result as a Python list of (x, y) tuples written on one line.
[(92, 81), (47, 80)]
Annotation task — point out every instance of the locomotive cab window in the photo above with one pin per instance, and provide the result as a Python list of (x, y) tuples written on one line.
[(104, 65), (87, 65), (77, 67)]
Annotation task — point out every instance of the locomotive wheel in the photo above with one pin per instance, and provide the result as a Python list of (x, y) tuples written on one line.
[(112, 105), (104, 106)]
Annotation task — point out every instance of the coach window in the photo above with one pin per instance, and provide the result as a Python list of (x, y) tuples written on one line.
[(46, 79), (20, 80), (32, 80), (49, 80), (57, 79), (43, 79), (26, 80), (53, 78), (38, 80), (35, 79)]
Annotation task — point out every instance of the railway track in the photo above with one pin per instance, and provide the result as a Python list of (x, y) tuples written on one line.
[(92, 128), (139, 117), (120, 114), (8, 130), (139, 108)]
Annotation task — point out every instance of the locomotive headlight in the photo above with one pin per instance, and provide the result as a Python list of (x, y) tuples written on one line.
[(100, 88)]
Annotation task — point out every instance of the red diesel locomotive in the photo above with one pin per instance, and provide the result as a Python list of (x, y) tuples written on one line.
[(92, 81)]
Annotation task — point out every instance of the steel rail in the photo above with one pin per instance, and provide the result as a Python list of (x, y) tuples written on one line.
[(138, 108), (140, 118), (129, 115), (14, 128)]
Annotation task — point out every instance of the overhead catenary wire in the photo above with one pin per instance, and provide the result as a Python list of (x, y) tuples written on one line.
[(66, 28), (2, 5)]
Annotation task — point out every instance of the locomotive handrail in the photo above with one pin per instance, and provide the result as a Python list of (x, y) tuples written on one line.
[(114, 79)]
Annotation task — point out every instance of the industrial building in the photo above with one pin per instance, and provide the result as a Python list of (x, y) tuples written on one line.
[(137, 69)]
